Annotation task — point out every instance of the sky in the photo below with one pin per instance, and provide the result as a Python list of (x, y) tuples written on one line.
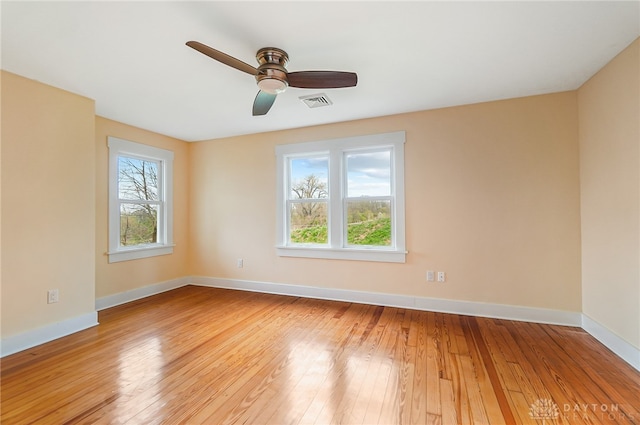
[(368, 173)]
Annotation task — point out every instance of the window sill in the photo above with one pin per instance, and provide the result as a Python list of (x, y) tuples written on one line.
[(139, 252), (377, 255)]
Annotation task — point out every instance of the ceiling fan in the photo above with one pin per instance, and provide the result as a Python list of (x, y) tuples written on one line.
[(272, 76)]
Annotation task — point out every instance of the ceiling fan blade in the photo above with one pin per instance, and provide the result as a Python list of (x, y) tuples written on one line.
[(322, 79), (263, 102), (223, 57)]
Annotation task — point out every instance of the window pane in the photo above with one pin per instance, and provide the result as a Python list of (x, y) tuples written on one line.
[(309, 178), (137, 179), (308, 222), (369, 174), (138, 224), (369, 223)]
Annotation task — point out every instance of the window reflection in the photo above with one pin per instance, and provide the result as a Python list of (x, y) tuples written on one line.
[(140, 372)]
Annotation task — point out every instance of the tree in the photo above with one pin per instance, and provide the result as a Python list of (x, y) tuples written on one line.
[(310, 187)]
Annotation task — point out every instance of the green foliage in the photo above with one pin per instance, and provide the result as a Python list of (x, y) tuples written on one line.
[(137, 229), (311, 234), (375, 232), (366, 210), (372, 232)]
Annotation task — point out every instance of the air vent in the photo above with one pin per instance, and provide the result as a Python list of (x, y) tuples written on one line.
[(316, 100)]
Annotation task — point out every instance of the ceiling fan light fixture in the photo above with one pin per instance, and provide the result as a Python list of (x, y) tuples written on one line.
[(272, 85)]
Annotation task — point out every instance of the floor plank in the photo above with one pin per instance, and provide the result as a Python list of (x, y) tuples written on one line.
[(199, 355)]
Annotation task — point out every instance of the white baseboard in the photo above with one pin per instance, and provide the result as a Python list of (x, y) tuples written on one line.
[(29, 339), (501, 311), (138, 293), (613, 342), (497, 311)]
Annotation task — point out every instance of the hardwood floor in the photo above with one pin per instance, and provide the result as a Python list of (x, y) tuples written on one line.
[(199, 355)]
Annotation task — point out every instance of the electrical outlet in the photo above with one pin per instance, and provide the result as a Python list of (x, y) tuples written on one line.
[(53, 296), (441, 277), (431, 276), (240, 263)]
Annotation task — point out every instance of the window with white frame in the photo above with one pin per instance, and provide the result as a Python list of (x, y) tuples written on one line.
[(342, 198), (140, 200)]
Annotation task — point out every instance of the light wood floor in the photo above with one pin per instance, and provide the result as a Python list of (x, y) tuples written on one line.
[(199, 355)]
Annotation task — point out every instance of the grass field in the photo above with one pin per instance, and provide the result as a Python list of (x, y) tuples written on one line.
[(375, 232)]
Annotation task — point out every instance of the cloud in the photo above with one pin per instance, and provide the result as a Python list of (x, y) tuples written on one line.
[(369, 174)]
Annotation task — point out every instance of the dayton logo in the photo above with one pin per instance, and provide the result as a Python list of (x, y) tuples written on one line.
[(544, 409)]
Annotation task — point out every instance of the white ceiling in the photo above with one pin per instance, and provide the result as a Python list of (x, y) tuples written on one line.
[(132, 59)]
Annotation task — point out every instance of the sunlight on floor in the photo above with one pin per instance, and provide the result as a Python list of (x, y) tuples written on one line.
[(334, 386), (139, 376)]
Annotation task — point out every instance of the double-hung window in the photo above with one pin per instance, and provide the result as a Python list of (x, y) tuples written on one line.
[(140, 200), (342, 198)]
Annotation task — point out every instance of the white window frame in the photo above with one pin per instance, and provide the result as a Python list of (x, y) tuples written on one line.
[(120, 147), (336, 150)]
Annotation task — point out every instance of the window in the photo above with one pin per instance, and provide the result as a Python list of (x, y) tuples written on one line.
[(140, 201), (342, 199)]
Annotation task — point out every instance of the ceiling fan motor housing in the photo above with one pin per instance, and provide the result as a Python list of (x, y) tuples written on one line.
[(272, 74)]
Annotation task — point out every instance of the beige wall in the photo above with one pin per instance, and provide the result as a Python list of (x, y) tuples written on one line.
[(127, 275), (1, 75), (48, 204), (609, 119), (492, 198)]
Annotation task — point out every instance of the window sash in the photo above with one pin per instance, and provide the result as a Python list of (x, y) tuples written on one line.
[(351, 152), (161, 210), (140, 202), (159, 180), (140, 227), (289, 226)]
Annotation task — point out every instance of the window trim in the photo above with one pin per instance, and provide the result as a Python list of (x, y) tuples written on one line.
[(164, 246), (336, 149)]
